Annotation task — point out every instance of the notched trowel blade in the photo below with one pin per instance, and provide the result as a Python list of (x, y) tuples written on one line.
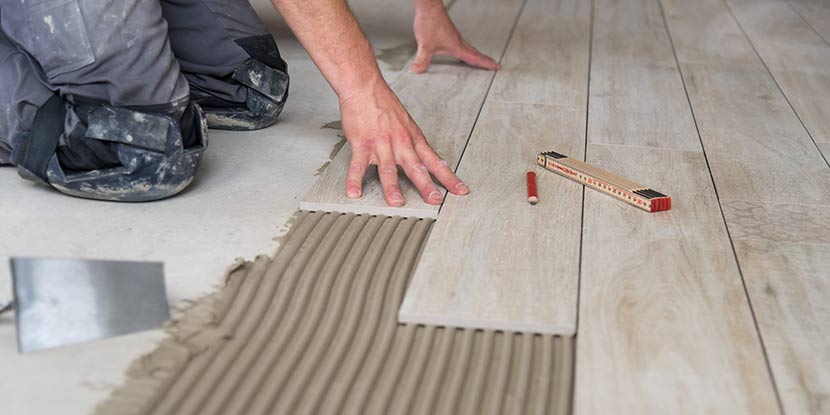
[(59, 302)]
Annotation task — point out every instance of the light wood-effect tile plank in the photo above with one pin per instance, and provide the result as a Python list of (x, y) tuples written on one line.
[(755, 144), (784, 253), (816, 13), (781, 223), (664, 324), (789, 284), (493, 260), (705, 31), (797, 56), (780, 35), (636, 92), (773, 186), (547, 53), (444, 102), (757, 147)]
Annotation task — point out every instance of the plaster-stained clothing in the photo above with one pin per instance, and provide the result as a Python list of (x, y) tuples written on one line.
[(138, 80)]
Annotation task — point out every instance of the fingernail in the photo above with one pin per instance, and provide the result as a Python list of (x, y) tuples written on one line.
[(435, 195), (461, 187), (396, 197), (421, 167), (353, 193), (444, 162)]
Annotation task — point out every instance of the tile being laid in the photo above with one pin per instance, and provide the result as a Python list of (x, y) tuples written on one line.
[(444, 102)]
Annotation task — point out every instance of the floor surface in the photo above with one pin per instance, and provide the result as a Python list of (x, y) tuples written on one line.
[(717, 306), (315, 331), (248, 188)]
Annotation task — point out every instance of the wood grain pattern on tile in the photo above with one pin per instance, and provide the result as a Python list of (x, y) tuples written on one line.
[(816, 13), (544, 72), (493, 260), (797, 56), (808, 224), (774, 187), (789, 284), (757, 148), (637, 94), (664, 325), (780, 35), (706, 32), (444, 102)]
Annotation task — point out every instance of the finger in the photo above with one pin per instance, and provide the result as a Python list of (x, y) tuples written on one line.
[(440, 169), (473, 57), (388, 173), (357, 169), (417, 172), (421, 62)]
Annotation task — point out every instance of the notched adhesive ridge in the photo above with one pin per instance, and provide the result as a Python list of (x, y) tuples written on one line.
[(314, 331)]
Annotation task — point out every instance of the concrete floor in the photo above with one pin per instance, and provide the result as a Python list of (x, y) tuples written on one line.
[(249, 186)]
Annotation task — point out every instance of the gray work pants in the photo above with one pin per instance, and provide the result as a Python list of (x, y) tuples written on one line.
[(110, 99)]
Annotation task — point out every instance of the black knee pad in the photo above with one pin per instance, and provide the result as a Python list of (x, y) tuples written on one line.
[(139, 156), (264, 78), (267, 92)]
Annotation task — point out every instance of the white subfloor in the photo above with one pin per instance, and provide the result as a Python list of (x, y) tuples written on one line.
[(248, 188)]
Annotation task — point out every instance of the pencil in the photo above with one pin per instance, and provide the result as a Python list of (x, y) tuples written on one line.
[(532, 192)]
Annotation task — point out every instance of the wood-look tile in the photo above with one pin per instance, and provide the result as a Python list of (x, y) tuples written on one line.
[(536, 72), (789, 285), (808, 93), (775, 190), (757, 148), (816, 13), (778, 223), (780, 35), (493, 260), (545, 74), (640, 104), (637, 95), (704, 31), (664, 325), (444, 102), (627, 16), (796, 55)]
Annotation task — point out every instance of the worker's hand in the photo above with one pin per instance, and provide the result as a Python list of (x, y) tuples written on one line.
[(382, 133), (437, 35)]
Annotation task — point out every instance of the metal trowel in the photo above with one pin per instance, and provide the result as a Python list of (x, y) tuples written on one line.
[(58, 302)]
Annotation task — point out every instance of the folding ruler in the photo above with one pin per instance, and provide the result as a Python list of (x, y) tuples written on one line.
[(606, 182)]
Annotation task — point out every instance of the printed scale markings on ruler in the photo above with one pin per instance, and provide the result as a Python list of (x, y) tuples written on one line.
[(606, 182)]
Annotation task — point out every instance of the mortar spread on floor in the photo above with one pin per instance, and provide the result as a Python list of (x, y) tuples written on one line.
[(314, 331)]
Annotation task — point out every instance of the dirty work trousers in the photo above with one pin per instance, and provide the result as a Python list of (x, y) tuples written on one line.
[(111, 99)]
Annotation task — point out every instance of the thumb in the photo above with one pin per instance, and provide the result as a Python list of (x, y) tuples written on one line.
[(421, 61)]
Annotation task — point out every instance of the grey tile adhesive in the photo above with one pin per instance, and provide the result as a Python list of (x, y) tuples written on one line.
[(314, 331)]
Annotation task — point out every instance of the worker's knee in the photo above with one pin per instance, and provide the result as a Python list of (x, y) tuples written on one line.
[(265, 90), (112, 153), (240, 80)]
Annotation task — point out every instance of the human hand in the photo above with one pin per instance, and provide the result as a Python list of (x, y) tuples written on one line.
[(437, 35), (381, 132)]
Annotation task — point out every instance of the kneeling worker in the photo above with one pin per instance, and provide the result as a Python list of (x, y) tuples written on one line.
[(111, 100)]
